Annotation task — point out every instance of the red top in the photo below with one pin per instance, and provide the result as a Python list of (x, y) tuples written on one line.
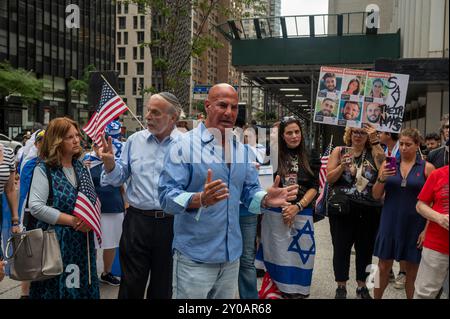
[(435, 191)]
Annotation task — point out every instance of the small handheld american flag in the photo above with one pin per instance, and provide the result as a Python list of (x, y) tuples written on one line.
[(323, 185), (87, 205), (110, 107)]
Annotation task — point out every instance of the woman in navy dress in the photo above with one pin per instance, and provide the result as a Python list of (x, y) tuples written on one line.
[(401, 228)]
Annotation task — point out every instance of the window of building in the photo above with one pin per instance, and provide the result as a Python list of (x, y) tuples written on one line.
[(143, 22), (134, 91), (122, 22), (139, 107), (139, 68), (121, 84), (125, 38), (141, 8), (125, 68), (135, 53), (125, 7), (135, 22), (142, 52), (119, 7), (122, 54), (4, 41), (118, 67), (140, 37), (119, 37)]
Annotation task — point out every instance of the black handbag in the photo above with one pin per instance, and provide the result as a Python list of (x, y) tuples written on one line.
[(338, 203)]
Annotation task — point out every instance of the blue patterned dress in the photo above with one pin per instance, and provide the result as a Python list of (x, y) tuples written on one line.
[(73, 245)]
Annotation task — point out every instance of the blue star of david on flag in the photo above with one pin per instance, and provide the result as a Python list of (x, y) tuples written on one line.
[(295, 244)]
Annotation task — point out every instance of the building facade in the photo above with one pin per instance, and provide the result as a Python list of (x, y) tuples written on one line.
[(133, 60), (214, 65), (34, 36), (424, 27)]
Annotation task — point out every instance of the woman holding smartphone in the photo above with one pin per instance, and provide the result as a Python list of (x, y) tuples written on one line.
[(351, 176), (401, 229)]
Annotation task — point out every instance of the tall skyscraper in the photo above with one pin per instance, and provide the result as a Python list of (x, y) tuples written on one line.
[(34, 36), (134, 61)]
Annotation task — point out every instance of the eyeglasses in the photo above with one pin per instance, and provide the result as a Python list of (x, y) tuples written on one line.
[(360, 133)]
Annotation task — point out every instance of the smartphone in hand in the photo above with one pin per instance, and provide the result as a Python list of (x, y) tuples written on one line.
[(391, 162)]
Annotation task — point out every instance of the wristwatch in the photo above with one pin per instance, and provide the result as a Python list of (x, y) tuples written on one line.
[(299, 205), (379, 180)]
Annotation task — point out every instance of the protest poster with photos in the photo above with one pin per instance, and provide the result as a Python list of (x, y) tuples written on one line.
[(348, 97)]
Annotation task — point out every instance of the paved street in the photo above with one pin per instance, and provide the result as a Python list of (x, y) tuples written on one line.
[(323, 286)]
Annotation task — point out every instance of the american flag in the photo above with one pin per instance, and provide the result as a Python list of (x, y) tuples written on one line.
[(323, 186), (110, 107), (87, 205)]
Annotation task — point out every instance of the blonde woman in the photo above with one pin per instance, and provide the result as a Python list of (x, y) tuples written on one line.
[(355, 217)]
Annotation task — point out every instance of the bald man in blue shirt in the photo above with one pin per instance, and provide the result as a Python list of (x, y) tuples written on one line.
[(206, 174)]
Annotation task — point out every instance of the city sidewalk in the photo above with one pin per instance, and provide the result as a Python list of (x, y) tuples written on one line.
[(323, 285)]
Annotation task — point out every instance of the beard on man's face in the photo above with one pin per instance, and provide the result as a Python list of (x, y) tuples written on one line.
[(373, 118)]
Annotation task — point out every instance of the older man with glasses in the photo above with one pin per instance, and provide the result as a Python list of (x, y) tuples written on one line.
[(145, 245)]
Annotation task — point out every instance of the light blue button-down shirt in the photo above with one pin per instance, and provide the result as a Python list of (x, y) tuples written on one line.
[(139, 167), (211, 234)]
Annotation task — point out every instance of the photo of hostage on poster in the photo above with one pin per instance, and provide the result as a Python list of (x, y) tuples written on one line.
[(350, 113), (330, 82), (361, 97), (373, 114), (377, 89), (326, 110), (353, 84)]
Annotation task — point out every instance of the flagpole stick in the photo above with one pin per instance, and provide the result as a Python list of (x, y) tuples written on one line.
[(89, 258), (125, 104)]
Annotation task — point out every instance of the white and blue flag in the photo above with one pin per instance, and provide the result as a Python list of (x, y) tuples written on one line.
[(287, 253)]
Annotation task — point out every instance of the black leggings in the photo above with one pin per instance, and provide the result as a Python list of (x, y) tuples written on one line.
[(358, 228)]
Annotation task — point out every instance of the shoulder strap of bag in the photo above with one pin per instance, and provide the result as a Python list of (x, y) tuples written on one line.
[(48, 172), (29, 189)]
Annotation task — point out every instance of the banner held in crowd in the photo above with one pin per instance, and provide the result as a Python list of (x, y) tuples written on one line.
[(347, 97)]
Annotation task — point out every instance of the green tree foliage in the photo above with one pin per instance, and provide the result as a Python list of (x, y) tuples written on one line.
[(165, 37), (21, 83), (81, 86)]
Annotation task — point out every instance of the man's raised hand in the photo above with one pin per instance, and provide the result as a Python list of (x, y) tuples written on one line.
[(106, 154), (214, 191), (280, 197)]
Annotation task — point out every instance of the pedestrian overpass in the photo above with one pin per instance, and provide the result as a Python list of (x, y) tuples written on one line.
[(280, 54)]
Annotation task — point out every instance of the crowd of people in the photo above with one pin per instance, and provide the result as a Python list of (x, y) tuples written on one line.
[(189, 215)]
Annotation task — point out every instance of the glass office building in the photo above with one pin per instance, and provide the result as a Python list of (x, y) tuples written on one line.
[(34, 36)]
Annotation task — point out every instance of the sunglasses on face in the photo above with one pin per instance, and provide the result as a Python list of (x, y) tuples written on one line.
[(360, 133)]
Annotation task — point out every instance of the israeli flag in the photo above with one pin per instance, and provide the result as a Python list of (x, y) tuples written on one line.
[(287, 253)]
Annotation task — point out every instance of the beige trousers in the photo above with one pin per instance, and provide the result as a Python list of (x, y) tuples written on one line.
[(433, 271)]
